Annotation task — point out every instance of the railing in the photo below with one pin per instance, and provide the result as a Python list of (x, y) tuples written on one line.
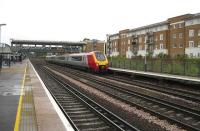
[(186, 67)]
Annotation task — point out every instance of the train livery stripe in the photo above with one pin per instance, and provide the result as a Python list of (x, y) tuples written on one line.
[(91, 62)]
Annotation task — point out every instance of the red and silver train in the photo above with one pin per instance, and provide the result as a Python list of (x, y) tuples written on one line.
[(94, 61)]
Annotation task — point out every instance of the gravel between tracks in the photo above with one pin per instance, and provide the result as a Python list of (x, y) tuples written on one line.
[(141, 119), (157, 94)]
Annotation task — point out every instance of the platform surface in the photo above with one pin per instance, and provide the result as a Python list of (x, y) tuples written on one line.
[(10, 88), (25, 103)]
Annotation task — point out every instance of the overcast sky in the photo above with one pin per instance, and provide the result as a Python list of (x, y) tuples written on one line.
[(74, 20)]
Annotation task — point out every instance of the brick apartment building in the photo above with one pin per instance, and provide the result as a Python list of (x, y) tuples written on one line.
[(176, 36), (94, 45)]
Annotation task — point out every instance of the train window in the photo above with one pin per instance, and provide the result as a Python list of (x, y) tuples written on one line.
[(100, 56), (76, 58), (61, 58)]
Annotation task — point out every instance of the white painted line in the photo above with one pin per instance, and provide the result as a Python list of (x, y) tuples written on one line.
[(156, 74), (64, 120)]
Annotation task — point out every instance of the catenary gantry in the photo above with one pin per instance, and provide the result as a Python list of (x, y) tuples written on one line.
[(47, 46)]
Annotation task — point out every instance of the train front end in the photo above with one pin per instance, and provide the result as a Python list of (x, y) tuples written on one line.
[(101, 62)]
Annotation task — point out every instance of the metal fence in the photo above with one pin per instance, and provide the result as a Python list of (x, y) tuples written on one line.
[(186, 67)]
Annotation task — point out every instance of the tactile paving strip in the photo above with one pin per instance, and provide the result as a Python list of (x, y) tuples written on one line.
[(28, 118)]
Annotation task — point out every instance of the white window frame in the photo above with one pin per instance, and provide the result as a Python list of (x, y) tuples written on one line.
[(161, 46), (174, 45), (161, 36), (191, 44), (180, 25), (180, 35), (180, 45), (174, 36), (191, 33)]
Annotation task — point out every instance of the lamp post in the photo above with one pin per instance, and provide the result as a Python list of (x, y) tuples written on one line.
[(109, 49), (1, 58), (145, 57), (0, 30)]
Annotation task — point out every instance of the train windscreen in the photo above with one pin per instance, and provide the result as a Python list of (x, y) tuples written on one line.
[(100, 56)]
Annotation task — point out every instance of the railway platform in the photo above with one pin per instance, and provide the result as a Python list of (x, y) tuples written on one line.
[(25, 102), (159, 76)]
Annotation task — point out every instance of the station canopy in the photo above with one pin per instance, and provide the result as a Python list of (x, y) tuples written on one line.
[(43, 42), (5, 49)]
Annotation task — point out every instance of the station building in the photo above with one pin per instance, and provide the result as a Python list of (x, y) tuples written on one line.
[(176, 36)]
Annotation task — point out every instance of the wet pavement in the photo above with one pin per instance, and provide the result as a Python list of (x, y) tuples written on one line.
[(10, 88)]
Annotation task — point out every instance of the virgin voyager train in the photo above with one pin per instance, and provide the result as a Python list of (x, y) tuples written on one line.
[(94, 61)]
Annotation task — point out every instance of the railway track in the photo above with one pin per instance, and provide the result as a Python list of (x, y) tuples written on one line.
[(183, 116), (83, 113), (182, 93)]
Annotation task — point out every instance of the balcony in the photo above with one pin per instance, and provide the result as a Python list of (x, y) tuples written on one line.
[(135, 36), (149, 40), (149, 33)]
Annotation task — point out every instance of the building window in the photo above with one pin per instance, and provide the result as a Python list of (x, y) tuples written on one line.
[(198, 32), (161, 46), (191, 44), (174, 45), (151, 47), (180, 35), (129, 42), (145, 39), (151, 39), (191, 33), (198, 54), (174, 36), (161, 36), (180, 25), (180, 45)]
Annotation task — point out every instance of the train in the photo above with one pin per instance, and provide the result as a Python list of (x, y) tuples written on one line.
[(94, 61)]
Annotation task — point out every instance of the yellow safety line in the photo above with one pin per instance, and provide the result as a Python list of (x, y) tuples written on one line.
[(17, 121)]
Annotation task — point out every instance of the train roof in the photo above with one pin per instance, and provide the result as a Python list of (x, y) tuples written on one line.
[(74, 54)]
